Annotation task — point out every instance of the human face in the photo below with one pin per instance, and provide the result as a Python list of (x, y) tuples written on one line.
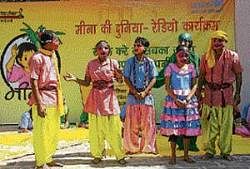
[(53, 45), (139, 49), (24, 61), (185, 42), (102, 51), (218, 43), (182, 58)]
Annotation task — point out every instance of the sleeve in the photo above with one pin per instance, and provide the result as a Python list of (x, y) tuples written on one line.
[(236, 66), (154, 71), (35, 67), (115, 64), (202, 64), (193, 71), (168, 71), (126, 70), (87, 72)]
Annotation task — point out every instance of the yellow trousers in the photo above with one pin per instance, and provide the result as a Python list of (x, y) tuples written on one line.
[(103, 128), (220, 125), (45, 134)]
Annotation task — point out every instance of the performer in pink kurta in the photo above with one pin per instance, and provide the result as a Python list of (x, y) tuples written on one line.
[(45, 100), (220, 69), (102, 104), (140, 76)]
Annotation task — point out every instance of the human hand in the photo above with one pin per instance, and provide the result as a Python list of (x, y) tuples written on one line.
[(118, 75), (143, 94), (181, 103), (69, 77), (41, 110), (14, 50)]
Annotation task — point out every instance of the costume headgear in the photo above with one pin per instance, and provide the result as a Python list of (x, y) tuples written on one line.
[(210, 55), (46, 37), (185, 36)]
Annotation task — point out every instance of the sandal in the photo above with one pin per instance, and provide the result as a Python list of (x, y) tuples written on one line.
[(96, 160), (54, 164), (207, 156), (122, 161)]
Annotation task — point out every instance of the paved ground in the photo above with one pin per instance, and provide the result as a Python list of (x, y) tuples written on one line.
[(78, 157)]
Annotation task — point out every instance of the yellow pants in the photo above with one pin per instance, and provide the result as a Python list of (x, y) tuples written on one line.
[(103, 128), (205, 126), (45, 134), (221, 125)]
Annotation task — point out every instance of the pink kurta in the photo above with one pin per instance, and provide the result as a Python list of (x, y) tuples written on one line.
[(42, 69), (102, 101), (229, 61)]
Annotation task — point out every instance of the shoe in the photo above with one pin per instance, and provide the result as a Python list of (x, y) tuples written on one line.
[(96, 160), (122, 161), (54, 164), (207, 156)]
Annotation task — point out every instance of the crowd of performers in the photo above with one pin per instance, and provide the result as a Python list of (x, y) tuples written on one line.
[(208, 86)]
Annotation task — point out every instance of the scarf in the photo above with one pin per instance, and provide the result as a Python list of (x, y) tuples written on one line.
[(52, 54), (210, 55)]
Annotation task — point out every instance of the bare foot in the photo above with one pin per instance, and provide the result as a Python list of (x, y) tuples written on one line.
[(172, 161)]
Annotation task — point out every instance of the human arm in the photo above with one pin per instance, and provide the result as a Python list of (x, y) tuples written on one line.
[(144, 93), (237, 69), (35, 90), (71, 77), (132, 89), (118, 72), (238, 85), (193, 90), (11, 61), (171, 93)]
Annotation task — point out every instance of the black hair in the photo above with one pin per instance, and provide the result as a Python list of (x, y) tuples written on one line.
[(46, 37), (98, 43), (182, 48), (142, 41), (24, 47)]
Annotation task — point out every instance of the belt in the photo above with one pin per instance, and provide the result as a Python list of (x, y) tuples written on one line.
[(220, 87), (216, 86), (49, 88), (102, 84)]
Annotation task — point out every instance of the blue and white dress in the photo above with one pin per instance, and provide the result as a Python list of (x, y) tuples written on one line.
[(180, 121)]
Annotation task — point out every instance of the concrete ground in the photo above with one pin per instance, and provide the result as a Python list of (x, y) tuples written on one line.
[(78, 157)]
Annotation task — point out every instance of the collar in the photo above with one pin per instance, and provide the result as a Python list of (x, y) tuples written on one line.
[(107, 61), (140, 61)]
